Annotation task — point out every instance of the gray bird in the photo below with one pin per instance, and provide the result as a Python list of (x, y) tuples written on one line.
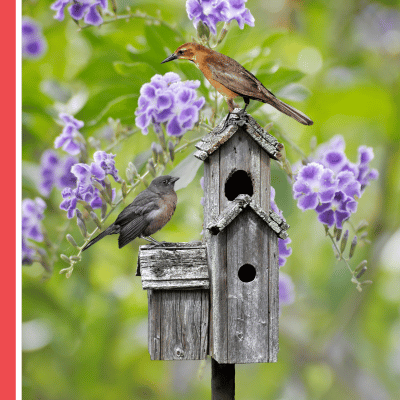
[(147, 214)]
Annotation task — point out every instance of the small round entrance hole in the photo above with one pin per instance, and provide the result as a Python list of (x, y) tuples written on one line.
[(247, 273), (238, 183)]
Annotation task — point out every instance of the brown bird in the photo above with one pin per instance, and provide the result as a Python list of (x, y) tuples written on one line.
[(232, 80), (147, 214)]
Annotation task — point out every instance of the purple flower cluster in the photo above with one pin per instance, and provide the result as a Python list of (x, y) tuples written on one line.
[(167, 100), (78, 9), (210, 12), (32, 215), (331, 184), (69, 138), (56, 171), (85, 190), (33, 42)]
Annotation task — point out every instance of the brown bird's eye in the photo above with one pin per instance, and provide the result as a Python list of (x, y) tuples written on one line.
[(180, 52)]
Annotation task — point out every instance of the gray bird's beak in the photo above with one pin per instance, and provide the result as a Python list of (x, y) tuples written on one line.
[(170, 58), (174, 179)]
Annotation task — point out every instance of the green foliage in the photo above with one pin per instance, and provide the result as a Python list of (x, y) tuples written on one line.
[(334, 341)]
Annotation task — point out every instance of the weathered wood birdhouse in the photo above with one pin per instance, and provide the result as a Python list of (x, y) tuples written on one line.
[(220, 297), (242, 242)]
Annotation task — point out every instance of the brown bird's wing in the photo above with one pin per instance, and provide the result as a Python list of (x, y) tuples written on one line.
[(236, 78), (232, 75)]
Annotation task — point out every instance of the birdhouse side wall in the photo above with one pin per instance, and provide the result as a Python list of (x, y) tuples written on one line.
[(178, 324)]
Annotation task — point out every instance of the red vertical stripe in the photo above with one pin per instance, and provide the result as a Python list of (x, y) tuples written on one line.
[(8, 200)]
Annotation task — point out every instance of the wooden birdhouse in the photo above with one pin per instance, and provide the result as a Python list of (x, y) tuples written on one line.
[(176, 279), (220, 297), (241, 234)]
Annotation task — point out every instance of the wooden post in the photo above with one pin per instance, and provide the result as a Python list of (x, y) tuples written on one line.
[(222, 381)]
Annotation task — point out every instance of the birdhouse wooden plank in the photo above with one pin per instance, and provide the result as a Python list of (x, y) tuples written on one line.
[(242, 242), (176, 277)]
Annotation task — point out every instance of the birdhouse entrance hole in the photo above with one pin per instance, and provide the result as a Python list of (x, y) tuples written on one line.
[(247, 273), (239, 182)]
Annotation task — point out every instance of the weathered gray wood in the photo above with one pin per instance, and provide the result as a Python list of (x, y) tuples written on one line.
[(273, 289), (173, 266), (249, 308), (235, 207), (222, 381), (216, 253), (212, 141), (178, 324), (240, 321)]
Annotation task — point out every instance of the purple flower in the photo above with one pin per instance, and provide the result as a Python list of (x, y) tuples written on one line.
[(68, 138), (237, 11), (167, 100), (284, 250), (85, 190), (33, 42), (286, 289), (32, 215), (348, 181), (87, 9), (56, 171), (210, 12), (314, 185)]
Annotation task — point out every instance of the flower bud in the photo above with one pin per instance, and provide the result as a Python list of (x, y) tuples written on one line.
[(72, 240), (338, 233), (361, 226), (75, 258), (65, 258), (344, 241), (95, 218), (103, 210), (171, 150), (150, 167), (203, 31), (353, 246), (129, 176), (361, 273), (360, 266), (124, 189), (82, 226)]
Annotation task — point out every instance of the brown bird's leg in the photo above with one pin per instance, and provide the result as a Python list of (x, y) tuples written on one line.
[(231, 107)]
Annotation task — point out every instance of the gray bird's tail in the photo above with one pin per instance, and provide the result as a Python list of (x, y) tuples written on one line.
[(109, 231), (289, 110)]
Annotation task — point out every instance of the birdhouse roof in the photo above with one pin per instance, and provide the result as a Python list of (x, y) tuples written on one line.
[(212, 141), (272, 219)]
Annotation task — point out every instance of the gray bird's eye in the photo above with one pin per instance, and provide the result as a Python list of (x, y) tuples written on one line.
[(165, 182)]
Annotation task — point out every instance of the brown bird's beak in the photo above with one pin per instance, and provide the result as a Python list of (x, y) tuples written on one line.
[(174, 179), (170, 58)]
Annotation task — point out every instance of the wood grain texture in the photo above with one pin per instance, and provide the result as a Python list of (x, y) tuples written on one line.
[(178, 324), (177, 265), (244, 315)]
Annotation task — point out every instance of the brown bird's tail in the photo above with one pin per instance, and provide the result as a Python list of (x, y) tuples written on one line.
[(109, 231), (289, 110)]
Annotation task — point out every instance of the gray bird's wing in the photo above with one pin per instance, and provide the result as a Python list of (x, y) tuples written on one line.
[(144, 203), (132, 230)]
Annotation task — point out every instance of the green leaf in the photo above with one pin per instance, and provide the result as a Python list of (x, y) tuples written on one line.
[(281, 78), (139, 70), (186, 170), (294, 92)]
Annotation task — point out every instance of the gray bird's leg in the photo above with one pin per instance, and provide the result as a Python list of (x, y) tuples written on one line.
[(153, 241)]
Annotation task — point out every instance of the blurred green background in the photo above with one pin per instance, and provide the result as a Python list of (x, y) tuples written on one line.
[(86, 337)]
